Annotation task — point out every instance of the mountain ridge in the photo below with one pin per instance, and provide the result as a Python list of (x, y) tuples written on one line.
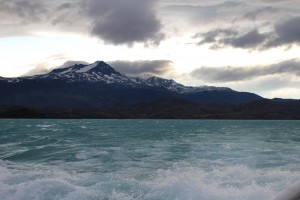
[(95, 71), (99, 85)]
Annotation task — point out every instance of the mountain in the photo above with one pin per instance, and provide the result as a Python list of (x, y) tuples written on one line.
[(98, 85)]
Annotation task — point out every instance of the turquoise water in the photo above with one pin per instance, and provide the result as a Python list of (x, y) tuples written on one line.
[(147, 159)]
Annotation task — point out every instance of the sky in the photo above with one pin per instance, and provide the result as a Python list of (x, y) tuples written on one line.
[(246, 45)]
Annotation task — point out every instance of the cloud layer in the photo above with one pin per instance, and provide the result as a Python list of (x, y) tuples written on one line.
[(21, 11), (285, 33), (258, 25), (44, 67), (155, 67), (124, 21), (255, 25), (233, 74), (113, 21)]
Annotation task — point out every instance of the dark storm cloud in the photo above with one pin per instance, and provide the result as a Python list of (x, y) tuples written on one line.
[(23, 17), (260, 24), (277, 1), (69, 15), (220, 38), (267, 12), (124, 21), (256, 25), (249, 40), (22, 11), (232, 74), (285, 33), (214, 35), (232, 12), (157, 67), (114, 21), (205, 13), (65, 6)]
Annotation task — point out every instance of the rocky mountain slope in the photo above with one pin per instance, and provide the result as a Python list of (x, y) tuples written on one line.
[(98, 85)]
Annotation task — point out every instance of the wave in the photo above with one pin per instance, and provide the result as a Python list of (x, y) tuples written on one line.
[(27, 181)]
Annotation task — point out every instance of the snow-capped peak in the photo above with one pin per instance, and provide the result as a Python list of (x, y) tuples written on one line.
[(98, 66), (100, 71), (87, 68)]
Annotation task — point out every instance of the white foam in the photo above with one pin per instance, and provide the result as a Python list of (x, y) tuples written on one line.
[(44, 125), (181, 182), (237, 182), (89, 154), (26, 182)]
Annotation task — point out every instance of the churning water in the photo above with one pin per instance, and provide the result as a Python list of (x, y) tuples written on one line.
[(147, 159)]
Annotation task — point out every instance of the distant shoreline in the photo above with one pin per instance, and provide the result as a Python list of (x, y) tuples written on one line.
[(164, 109)]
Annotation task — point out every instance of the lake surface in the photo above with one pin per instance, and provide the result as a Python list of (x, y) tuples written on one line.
[(147, 159)]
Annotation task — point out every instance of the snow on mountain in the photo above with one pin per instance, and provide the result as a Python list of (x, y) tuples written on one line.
[(87, 68), (96, 72), (10, 80), (100, 71), (99, 85), (179, 88)]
